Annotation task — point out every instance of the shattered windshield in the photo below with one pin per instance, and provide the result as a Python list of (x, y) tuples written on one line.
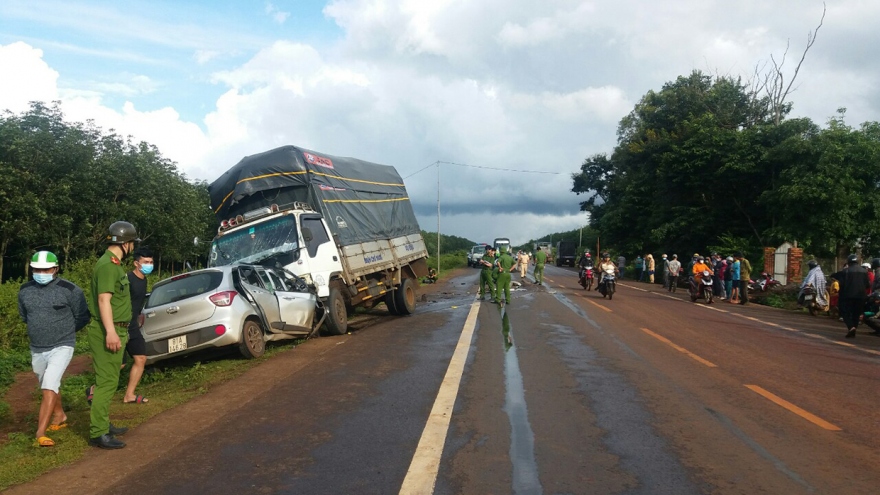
[(256, 242)]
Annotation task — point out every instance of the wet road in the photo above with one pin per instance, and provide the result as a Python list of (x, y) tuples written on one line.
[(560, 391)]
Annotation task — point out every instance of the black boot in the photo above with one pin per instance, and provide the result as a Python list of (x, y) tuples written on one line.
[(117, 431), (106, 441)]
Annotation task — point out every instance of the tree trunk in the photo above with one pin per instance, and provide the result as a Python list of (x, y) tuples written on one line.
[(3, 245)]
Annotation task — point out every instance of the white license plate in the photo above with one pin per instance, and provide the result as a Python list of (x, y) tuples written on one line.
[(808, 298), (177, 344)]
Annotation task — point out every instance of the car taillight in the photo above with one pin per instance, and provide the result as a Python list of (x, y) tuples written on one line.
[(219, 330), (223, 298)]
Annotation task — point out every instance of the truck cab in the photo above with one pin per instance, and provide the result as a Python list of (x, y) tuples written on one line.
[(475, 255)]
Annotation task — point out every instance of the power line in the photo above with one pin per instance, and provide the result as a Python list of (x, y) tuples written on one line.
[(484, 167)]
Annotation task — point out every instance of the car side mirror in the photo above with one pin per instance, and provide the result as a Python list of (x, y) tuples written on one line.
[(307, 234)]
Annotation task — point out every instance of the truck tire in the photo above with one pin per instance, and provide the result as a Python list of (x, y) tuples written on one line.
[(253, 343), (390, 303), (337, 315), (405, 297)]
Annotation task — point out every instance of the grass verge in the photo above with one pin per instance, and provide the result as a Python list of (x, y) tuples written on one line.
[(166, 388)]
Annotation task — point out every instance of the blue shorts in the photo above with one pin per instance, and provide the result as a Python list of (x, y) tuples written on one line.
[(49, 366)]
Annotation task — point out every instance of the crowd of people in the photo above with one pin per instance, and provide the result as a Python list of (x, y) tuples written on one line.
[(54, 309)]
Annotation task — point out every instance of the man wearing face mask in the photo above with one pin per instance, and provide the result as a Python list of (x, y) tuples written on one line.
[(53, 309), (110, 306), (136, 347)]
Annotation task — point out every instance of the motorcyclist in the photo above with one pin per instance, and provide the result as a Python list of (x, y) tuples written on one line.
[(816, 278), (585, 263), (606, 265), (699, 267)]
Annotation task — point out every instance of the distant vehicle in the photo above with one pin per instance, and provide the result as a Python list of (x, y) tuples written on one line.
[(475, 255), (546, 247), (233, 305), (566, 253), (501, 241)]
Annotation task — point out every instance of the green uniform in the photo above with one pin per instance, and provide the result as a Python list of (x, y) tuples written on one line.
[(540, 259), (486, 279), (107, 277), (505, 263)]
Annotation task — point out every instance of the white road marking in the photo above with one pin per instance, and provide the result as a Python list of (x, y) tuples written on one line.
[(422, 474)]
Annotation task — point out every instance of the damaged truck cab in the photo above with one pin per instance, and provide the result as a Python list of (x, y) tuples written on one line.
[(344, 225)]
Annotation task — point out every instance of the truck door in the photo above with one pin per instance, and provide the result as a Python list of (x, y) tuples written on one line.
[(258, 284), (323, 258)]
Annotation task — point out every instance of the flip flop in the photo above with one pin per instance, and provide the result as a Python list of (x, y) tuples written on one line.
[(140, 399), (45, 442), (90, 393), (57, 427)]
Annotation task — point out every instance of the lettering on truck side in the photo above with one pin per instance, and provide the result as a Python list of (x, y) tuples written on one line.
[(410, 247), (372, 259)]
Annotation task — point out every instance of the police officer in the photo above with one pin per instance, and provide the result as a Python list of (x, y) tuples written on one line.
[(487, 263), (505, 264), (540, 259), (110, 306)]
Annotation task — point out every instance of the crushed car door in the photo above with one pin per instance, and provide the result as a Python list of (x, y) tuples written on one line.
[(260, 287), (297, 307)]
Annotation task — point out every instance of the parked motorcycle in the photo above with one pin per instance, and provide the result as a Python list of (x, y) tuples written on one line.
[(765, 282), (701, 289), (871, 316), (585, 278), (607, 285), (810, 299)]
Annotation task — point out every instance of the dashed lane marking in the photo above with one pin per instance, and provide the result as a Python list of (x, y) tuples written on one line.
[(679, 348), (793, 408), (597, 304), (422, 474)]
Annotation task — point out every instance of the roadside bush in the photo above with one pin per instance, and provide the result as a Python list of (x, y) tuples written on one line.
[(449, 261), (13, 333)]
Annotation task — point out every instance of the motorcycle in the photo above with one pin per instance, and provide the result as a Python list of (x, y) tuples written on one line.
[(763, 284), (810, 299), (871, 317), (585, 278), (701, 289), (607, 285)]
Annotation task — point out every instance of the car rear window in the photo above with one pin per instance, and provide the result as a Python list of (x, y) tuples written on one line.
[(183, 287)]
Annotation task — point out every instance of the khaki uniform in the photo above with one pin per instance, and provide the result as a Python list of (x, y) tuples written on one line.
[(523, 264)]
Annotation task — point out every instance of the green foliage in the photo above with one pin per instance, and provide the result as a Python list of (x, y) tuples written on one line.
[(702, 162), (448, 261), (448, 243), (13, 334)]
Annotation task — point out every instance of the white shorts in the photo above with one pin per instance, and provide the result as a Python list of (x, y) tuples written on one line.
[(50, 366)]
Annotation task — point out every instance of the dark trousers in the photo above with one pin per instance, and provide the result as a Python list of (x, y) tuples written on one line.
[(743, 292), (850, 311)]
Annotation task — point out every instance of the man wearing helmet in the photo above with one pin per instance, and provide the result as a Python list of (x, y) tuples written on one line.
[(110, 306), (585, 263), (853, 293), (816, 278), (53, 309), (606, 265)]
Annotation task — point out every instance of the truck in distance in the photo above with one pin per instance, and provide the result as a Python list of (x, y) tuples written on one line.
[(566, 253), (475, 255)]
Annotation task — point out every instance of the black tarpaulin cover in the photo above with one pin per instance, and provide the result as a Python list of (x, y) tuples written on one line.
[(361, 201)]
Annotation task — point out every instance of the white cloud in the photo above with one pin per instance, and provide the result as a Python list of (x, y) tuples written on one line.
[(27, 77), (277, 15)]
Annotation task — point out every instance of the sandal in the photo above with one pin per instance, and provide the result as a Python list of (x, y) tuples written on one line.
[(140, 399), (90, 393), (57, 427), (45, 442)]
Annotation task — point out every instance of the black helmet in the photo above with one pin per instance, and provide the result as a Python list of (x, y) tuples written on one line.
[(122, 232), (875, 263), (812, 264), (852, 259)]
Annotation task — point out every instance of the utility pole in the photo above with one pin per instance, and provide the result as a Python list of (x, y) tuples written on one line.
[(438, 218)]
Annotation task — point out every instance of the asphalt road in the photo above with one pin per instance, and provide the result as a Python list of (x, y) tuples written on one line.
[(560, 391)]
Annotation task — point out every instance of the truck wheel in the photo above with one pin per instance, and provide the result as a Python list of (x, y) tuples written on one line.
[(390, 303), (337, 316), (252, 344), (405, 297)]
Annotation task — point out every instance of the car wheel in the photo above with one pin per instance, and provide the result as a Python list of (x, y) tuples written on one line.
[(390, 303), (253, 343), (337, 316), (405, 297)]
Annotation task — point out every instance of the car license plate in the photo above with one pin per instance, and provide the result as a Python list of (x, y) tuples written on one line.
[(177, 344), (808, 298)]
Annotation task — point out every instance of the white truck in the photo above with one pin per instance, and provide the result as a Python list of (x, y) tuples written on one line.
[(344, 225)]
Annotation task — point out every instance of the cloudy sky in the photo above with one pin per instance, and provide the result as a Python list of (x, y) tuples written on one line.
[(511, 94)]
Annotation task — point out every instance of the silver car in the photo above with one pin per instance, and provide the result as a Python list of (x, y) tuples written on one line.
[(243, 305)]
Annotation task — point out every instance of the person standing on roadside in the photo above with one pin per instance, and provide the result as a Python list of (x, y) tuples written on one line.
[(621, 266), (504, 265), (136, 347), (854, 284), (523, 264), (728, 278), (672, 273), (53, 309), (650, 265), (639, 264), (745, 273), (540, 259), (665, 270), (110, 306), (487, 262)]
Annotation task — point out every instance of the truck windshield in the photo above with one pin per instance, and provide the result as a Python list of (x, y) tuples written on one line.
[(256, 242)]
